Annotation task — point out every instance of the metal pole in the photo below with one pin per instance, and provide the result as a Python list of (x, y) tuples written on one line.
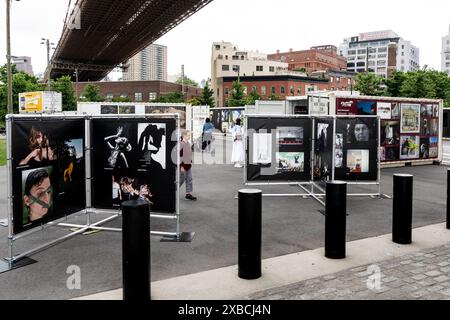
[(8, 56), (379, 158), (136, 250), (333, 155), (335, 219), (88, 177), (9, 189), (178, 177), (448, 199), (402, 209), (249, 234)]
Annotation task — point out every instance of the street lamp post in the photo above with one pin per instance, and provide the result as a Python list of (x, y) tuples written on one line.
[(8, 56), (49, 45)]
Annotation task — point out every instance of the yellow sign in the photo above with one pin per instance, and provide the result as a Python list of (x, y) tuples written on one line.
[(31, 102)]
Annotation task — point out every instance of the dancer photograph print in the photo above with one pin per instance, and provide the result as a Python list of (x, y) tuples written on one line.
[(118, 149)]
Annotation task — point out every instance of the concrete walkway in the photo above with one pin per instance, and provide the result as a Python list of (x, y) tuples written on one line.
[(224, 284)]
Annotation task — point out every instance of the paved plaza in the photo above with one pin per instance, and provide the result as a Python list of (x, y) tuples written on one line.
[(291, 226)]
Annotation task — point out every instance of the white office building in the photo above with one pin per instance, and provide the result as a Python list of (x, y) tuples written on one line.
[(227, 60), (380, 52), (446, 53), (149, 64)]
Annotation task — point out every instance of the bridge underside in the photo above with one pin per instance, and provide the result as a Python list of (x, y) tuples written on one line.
[(101, 34)]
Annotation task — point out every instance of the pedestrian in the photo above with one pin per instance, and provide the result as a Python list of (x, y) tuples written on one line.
[(186, 165), (207, 132), (237, 155)]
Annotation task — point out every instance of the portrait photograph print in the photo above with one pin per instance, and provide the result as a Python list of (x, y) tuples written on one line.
[(37, 194), (410, 118), (361, 132), (152, 145)]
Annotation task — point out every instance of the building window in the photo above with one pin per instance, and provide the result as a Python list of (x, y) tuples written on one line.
[(263, 90), (244, 89), (109, 96), (217, 47), (361, 51), (360, 64), (282, 90), (272, 90), (299, 90), (152, 96), (138, 96), (382, 55), (272, 69), (381, 62), (225, 67), (332, 79), (226, 57), (291, 90), (218, 91), (254, 89), (124, 95), (226, 91), (259, 68), (351, 52), (384, 49), (235, 57)]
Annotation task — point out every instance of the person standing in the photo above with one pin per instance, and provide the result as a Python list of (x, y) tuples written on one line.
[(207, 132), (237, 155), (186, 165)]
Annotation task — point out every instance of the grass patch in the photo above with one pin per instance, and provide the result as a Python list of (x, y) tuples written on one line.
[(2, 152)]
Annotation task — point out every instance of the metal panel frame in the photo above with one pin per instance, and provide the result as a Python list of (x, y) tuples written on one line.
[(12, 259)]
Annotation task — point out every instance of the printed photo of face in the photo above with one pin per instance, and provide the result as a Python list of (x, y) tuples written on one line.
[(361, 132), (38, 194)]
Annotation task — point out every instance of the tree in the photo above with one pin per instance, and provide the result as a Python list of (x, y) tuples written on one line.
[(92, 93), (274, 97), (207, 96), (195, 101), (237, 95), (394, 83), (21, 82), (252, 97), (187, 82), (299, 70), (418, 84), (65, 87), (172, 97), (369, 84)]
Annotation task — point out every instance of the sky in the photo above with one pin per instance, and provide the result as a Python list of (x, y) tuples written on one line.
[(262, 25)]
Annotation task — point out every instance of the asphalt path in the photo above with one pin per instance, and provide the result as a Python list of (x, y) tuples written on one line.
[(290, 225)]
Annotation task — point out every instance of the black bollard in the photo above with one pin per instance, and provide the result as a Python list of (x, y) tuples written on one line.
[(249, 234), (335, 219), (136, 250), (402, 209), (448, 199)]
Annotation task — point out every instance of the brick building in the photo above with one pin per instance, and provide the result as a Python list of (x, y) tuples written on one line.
[(138, 91), (281, 86), (315, 59)]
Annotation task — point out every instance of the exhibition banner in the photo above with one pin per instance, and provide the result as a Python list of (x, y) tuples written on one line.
[(48, 170), (278, 149), (132, 159), (356, 152), (323, 149)]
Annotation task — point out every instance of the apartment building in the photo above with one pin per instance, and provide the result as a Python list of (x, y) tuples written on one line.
[(446, 53), (149, 64), (380, 52)]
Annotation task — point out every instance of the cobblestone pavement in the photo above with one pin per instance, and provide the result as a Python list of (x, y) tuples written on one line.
[(423, 275)]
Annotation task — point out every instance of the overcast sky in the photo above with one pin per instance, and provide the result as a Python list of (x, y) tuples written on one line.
[(263, 25)]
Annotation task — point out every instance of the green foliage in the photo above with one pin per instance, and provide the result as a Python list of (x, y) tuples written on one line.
[(172, 97), (207, 97), (300, 70), (187, 82), (237, 95), (195, 101), (252, 97), (394, 83), (274, 97), (65, 86), (369, 84), (121, 99), (430, 84), (21, 82), (92, 94)]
